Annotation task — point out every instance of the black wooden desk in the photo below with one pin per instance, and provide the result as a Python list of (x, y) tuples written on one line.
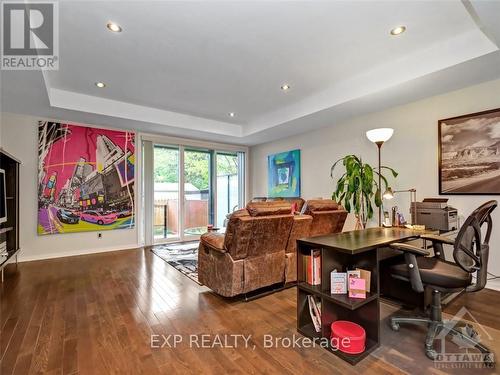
[(338, 251)]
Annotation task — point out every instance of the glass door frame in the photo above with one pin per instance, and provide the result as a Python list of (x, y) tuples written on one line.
[(183, 144), (242, 179), (180, 191), (211, 195), (177, 237)]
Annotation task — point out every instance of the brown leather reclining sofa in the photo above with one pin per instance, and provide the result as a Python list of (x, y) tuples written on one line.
[(259, 246)]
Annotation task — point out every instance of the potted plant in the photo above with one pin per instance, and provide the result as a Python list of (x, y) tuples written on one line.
[(358, 187)]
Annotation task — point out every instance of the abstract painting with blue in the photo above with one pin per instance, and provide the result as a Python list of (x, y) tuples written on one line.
[(284, 174)]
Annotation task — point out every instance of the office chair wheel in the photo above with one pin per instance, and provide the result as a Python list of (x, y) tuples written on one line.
[(488, 360), (471, 332), (394, 326), (431, 353)]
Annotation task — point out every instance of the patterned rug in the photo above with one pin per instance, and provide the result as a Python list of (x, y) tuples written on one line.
[(183, 257)]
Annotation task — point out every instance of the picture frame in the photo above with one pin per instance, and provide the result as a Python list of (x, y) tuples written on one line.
[(86, 178), (284, 174), (469, 154)]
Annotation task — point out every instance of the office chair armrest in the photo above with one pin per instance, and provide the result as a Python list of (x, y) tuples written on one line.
[(440, 239), (410, 249), (411, 252)]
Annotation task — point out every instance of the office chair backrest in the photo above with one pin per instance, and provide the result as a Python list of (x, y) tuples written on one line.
[(470, 252)]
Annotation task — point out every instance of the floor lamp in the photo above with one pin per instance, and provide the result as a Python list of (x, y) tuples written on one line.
[(379, 136)]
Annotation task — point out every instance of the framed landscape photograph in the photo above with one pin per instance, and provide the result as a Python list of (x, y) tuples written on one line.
[(469, 154)]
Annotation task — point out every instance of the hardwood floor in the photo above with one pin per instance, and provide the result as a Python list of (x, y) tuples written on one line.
[(95, 314)]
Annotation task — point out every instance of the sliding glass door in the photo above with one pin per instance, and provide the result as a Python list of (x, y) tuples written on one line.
[(198, 209), (166, 224), (193, 188), (230, 184)]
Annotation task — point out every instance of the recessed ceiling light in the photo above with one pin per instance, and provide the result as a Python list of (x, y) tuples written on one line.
[(114, 27), (231, 114), (100, 84), (398, 30), (285, 87)]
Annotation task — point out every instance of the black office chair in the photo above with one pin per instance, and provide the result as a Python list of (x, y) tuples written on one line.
[(422, 271)]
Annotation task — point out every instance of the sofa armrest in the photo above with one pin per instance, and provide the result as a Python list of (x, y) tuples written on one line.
[(214, 241)]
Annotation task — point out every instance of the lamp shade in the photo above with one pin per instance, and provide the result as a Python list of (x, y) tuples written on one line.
[(379, 135), (389, 194)]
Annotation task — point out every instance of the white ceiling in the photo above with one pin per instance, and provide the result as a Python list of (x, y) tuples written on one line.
[(179, 67)]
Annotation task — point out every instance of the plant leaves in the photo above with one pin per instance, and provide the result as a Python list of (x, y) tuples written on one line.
[(355, 188), (334, 165), (394, 173), (357, 204), (383, 179), (347, 202), (369, 209), (378, 198)]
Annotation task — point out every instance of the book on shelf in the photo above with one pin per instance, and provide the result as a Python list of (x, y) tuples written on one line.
[(315, 312), (312, 267), (338, 282)]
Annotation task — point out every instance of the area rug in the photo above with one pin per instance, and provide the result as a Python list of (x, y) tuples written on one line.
[(405, 349), (183, 257)]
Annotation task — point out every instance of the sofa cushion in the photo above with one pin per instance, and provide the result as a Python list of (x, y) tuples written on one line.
[(325, 222), (269, 208), (301, 228), (238, 213), (322, 205)]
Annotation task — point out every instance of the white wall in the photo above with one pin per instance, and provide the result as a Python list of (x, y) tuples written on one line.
[(19, 136), (412, 151)]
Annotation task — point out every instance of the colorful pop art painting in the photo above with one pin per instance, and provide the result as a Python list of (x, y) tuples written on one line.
[(283, 171), (85, 178)]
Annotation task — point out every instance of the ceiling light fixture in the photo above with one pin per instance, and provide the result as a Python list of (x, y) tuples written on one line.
[(114, 27), (100, 84), (285, 87), (398, 30), (231, 114)]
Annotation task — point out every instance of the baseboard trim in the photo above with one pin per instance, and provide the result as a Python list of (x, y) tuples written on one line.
[(31, 258), (493, 284)]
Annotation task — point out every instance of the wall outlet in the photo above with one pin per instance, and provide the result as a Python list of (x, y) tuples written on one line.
[(99, 235)]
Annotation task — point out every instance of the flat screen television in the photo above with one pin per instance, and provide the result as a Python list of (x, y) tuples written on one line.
[(3, 198)]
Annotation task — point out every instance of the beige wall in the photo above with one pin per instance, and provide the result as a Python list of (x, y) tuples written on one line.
[(19, 137), (412, 151)]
